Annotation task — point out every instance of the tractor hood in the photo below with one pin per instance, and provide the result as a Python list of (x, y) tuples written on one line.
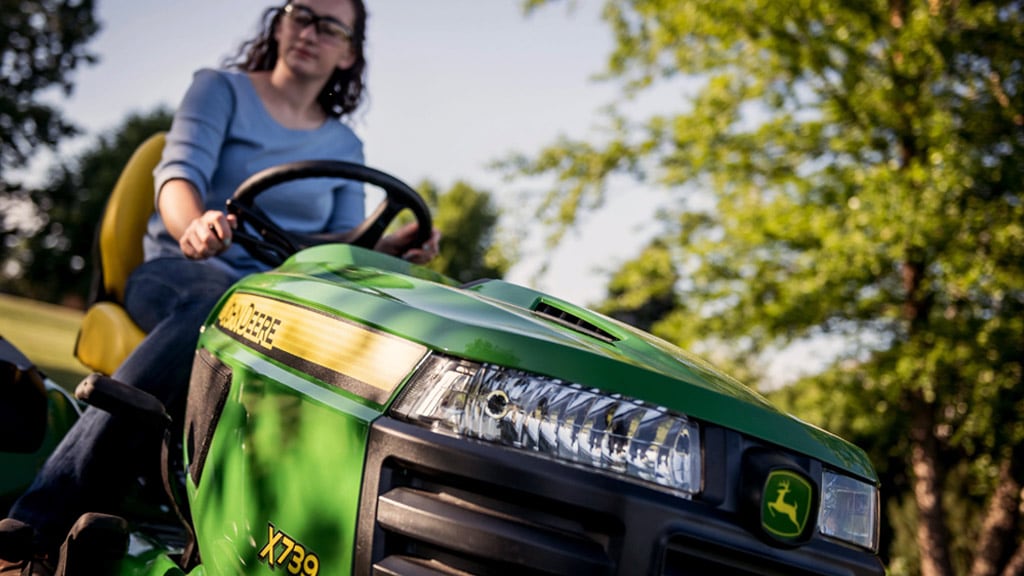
[(502, 323)]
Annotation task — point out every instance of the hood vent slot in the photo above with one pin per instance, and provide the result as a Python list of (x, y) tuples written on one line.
[(549, 312)]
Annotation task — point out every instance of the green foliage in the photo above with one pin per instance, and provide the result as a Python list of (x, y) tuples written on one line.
[(43, 43), (643, 291), (55, 263), (859, 171), (467, 218)]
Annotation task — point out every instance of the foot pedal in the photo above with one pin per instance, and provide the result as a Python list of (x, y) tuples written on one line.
[(117, 397), (95, 546)]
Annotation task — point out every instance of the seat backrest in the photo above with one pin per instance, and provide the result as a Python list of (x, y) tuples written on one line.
[(125, 218)]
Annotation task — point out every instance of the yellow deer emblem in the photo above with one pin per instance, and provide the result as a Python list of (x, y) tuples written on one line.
[(780, 506)]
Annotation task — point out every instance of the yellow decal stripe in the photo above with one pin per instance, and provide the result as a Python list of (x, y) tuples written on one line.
[(372, 358)]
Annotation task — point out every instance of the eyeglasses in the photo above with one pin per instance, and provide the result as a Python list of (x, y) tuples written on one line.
[(327, 27)]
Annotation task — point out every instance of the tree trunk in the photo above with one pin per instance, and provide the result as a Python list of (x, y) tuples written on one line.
[(932, 537), (999, 525)]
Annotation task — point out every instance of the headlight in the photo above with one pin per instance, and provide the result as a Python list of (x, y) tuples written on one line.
[(849, 510), (555, 419)]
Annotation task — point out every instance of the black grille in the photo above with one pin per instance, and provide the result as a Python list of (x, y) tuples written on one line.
[(486, 529), (436, 505), (683, 558)]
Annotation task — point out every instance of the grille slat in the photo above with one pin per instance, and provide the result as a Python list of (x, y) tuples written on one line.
[(471, 529), (408, 566)]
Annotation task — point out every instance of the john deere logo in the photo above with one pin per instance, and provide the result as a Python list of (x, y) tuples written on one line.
[(785, 504)]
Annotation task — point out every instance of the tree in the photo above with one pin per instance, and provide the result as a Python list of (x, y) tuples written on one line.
[(643, 290), (55, 263), (44, 42), (467, 219), (861, 164)]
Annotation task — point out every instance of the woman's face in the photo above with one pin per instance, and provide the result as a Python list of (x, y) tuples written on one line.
[(314, 37)]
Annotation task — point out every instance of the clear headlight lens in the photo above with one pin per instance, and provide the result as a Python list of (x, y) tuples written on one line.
[(849, 510), (555, 419)]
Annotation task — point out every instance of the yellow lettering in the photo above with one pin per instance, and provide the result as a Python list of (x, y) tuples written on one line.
[(271, 331), (295, 554), (261, 336), (229, 316), (288, 545), (273, 538), (253, 318), (311, 567), (243, 318), (249, 322), (295, 566)]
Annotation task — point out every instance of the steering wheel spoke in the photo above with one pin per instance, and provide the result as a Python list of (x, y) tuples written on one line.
[(266, 229)]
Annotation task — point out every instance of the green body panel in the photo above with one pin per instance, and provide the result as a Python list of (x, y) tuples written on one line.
[(155, 562), (281, 484), (492, 322), (288, 452)]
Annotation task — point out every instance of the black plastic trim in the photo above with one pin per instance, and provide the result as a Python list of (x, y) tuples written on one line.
[(454, 504), (431, 516), (208, 392)]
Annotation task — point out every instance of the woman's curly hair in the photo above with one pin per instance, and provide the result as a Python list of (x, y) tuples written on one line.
[(345, 89)]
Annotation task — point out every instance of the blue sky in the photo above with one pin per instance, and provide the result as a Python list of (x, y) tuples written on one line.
[(453, 85)]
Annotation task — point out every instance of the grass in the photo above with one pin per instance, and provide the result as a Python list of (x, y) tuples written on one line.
[(46, 334)]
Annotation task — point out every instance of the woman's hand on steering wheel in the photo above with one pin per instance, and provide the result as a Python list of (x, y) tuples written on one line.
[(207, 235), (400, 240)]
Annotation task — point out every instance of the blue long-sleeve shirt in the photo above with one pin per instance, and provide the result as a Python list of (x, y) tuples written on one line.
[(222, 134)]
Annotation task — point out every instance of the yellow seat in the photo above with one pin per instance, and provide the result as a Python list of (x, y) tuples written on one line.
[(107, 334)]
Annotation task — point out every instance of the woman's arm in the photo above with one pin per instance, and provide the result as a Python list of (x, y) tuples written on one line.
[(189, 160), (193, 145), (200, 233)]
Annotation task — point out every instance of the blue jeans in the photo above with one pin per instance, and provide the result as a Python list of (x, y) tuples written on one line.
[(95, 463)]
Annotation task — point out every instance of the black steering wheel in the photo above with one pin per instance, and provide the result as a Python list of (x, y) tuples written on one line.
[(273, 245)]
